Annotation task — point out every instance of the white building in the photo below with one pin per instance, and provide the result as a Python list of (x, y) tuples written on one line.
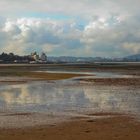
[(43, 57), (35, 56)]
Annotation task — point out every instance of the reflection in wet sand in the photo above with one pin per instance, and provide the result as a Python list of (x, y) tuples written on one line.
[(46, 97)]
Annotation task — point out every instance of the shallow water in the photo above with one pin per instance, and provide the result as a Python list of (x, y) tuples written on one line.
[(93, 74), (68, 97)]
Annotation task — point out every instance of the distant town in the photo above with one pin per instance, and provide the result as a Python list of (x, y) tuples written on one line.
[(33, 58), (42, 58)]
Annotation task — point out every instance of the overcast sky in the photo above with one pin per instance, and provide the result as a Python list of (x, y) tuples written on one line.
[(108, 28)]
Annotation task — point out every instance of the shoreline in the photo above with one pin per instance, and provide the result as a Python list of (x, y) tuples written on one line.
[(98, 126)]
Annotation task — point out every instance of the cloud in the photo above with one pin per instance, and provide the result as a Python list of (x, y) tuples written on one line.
[(33, 34), (86, 8), (101, 37), (120, 38), (82, 27)]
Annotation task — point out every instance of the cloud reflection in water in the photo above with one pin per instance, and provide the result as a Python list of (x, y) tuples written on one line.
[(47, 96)]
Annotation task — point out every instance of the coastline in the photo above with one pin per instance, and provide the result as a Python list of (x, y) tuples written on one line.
[(108, 126)]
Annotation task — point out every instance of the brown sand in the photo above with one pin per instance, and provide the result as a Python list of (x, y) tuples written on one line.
[(30, 73), (113, 81), (115, 128), (51, 76), (37, 76)]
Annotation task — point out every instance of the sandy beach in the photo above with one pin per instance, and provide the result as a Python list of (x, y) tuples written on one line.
[(114, 128), (107, 126)]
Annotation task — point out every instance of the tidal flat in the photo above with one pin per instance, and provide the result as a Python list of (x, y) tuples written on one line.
[(86, 101)]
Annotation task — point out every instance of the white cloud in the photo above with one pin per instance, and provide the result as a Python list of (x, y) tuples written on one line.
[(81, 27), (98, 38)]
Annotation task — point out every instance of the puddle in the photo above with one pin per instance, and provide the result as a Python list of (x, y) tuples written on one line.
[(53, 97)]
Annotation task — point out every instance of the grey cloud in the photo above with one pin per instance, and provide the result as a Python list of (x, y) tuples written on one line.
[(111, 28), (87, 8), (121, 39)]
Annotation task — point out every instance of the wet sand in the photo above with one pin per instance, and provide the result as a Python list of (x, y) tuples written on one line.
[(24, 73), (13, 78), (113, 81), (30, 70), (115, 128)]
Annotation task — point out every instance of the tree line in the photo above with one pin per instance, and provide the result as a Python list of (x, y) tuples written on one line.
[(11, 57)]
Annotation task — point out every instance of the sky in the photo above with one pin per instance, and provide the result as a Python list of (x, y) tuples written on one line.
[(88, 28)]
